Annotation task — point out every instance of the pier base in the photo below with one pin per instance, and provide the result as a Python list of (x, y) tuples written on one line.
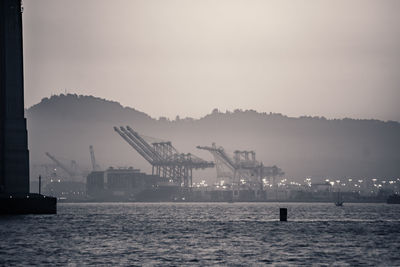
[(27, 204)]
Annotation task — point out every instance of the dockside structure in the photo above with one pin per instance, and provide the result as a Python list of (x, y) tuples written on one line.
[(165, 159), (243, 171), (128, 184)]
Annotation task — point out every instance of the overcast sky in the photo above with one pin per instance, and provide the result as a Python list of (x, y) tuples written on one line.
[(185, 57)]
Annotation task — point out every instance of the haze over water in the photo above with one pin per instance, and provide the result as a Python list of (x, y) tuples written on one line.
[(204, 234)]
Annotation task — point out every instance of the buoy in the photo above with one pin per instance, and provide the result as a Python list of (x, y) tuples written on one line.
[(283, 214)]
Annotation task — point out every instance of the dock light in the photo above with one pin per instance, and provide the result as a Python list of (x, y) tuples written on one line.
[(332, 183)]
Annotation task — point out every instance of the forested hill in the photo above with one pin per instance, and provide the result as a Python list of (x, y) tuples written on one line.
[(65, 125)]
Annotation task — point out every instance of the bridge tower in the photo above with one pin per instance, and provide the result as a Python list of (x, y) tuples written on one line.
[(14, 155)]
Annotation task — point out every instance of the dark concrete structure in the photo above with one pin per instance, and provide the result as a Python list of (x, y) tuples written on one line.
[(28, 204), (283, 214), (14, 155)]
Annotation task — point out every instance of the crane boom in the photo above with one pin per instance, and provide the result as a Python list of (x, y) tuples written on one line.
[(220, 154), (146, 148), (143, 142), (92, 157), (58, 163), (133, 144)]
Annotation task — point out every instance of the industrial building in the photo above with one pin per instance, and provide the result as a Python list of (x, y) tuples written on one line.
[(128, 184)]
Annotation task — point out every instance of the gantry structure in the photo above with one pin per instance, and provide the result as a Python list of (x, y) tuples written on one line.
[(164, 158), (243, 170)]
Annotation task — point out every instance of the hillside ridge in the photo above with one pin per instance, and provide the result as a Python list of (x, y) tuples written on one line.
[(66, 125)]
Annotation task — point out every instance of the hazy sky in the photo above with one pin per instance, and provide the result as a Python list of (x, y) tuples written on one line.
[(336, 58)]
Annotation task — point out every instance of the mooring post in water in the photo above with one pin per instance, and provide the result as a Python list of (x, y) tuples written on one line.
[(40, 183), (283, 214)]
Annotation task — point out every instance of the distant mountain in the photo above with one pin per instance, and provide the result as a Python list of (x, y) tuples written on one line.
[(84, 108), (65, 125)]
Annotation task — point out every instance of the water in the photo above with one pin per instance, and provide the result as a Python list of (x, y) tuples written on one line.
[(204, 234)]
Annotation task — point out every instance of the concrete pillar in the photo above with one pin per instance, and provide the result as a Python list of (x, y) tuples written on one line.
[(283, 214), (14, 155)]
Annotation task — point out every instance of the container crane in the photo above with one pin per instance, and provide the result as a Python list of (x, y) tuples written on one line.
[(59, 164), (243, 168), (165, 159), (95, 166)]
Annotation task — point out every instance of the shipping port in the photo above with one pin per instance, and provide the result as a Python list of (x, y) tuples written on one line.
[(239, 177)]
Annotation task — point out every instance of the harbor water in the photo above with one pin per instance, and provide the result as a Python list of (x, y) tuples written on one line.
[(164, 234)]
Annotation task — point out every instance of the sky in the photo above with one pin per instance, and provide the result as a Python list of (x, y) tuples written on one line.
[(186, 57)]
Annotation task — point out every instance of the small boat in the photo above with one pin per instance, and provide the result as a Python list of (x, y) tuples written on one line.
[(339, 202)]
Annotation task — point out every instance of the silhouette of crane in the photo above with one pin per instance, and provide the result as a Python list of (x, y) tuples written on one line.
[(243, 168), (165, 159), (62, 166), (95, 166)]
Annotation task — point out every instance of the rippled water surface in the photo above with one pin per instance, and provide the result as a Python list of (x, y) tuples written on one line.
[(203, 234)]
